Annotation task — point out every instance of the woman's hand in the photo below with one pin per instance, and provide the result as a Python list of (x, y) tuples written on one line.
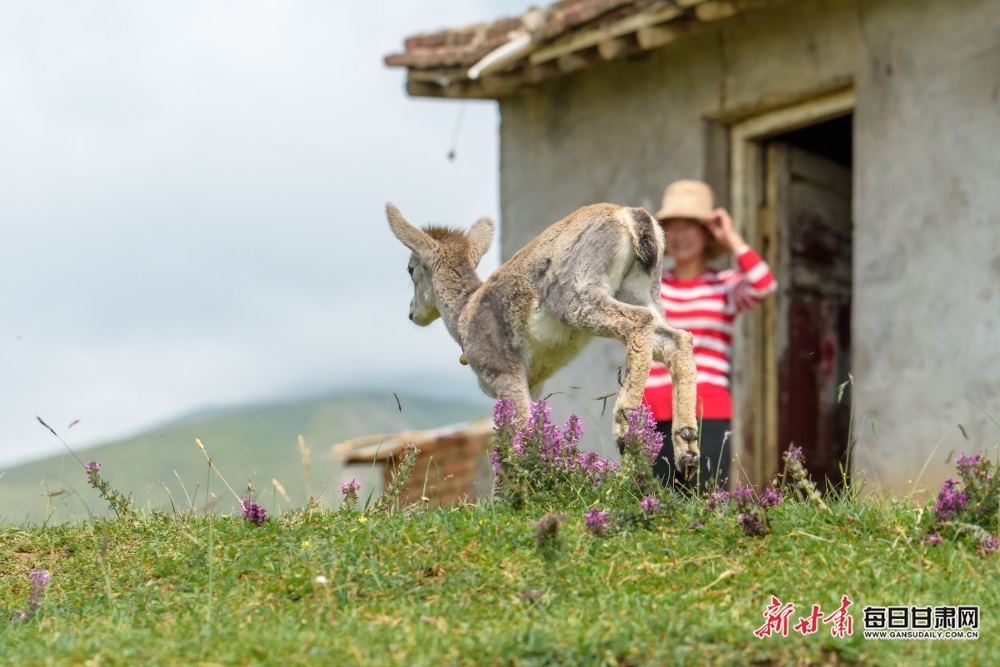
[(721, 227)]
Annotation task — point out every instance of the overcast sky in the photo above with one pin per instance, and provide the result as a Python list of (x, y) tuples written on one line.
[(191, 206)]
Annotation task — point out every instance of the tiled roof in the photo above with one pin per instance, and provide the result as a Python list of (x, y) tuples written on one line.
[(498, 58), (466, 46)]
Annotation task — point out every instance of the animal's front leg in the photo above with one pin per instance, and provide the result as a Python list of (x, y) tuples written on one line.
[(512, 387)]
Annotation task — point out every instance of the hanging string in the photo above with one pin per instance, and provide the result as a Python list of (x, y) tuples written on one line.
[(454, 136)]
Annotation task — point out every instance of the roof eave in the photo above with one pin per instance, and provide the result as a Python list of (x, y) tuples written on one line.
[(521, 63)]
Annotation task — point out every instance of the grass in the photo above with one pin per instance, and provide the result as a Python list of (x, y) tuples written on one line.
[(507, 581), (469, 586)]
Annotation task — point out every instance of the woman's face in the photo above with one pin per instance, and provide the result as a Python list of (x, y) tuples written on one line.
[(685, 239)]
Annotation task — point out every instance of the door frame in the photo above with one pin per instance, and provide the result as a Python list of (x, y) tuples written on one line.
[(755, 378)]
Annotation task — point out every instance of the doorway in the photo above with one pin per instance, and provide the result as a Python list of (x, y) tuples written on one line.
[(793, 189)]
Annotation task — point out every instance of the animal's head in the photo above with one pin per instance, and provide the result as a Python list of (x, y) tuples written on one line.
[(433, 247)]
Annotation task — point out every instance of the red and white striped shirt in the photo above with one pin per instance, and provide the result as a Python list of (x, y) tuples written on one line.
[(707, 306)]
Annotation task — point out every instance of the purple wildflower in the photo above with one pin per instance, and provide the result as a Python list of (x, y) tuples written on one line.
[(966, 464), (39, 578), (650, 505), (504, 422), (717, 499), (254, 513), (794, 453), (642, 427), (596, 521), (572, 431), (751, 524), (547, 535), (795, 462), (93, 477), (771, 498), (742, 496), (541, 447), (495, 461), (933, 539), (949, 501), (988, 543), (594, 467), (540, 424), (350, 491), (971, 467), (589, 461), (503, 414)]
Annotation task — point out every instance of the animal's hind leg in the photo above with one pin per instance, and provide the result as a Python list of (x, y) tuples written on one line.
[(597, 312), (674, 348)]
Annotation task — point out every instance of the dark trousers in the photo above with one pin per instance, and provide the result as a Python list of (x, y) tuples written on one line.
[(715, 457)]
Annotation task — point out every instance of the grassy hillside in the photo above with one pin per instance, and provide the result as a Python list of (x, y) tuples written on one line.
[(255, 444)]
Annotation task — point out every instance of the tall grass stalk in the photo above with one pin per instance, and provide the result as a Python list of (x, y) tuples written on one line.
[(105, 567), (281, 491), (184, 489), (981, 409), (58, 437), (916, 483), (307, 466), (212, 467), (206, 629)]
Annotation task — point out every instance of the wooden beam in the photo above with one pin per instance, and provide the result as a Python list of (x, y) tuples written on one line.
[(618, 47), (588, 38), (716, 10), (490, 87), (654, 37), (423, 89), (572, 62), (465, 90), (503, 85), (441, 77)]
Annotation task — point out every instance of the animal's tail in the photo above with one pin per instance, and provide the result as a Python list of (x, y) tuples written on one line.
[(647, 237)]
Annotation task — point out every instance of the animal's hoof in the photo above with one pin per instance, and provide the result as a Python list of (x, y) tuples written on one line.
[(688, 434), (689, 464)]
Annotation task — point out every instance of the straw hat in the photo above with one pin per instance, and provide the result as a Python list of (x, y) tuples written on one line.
[(692, 200)]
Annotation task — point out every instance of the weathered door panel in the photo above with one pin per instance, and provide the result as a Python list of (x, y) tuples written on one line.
[(812, 337)]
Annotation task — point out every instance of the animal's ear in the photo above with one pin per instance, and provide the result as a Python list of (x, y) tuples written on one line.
[(416, 240), (480, 239)]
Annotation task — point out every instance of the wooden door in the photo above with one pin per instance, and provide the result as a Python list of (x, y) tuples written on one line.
[(809, 212)]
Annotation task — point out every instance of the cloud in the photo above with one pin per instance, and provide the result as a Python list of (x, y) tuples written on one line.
[(191, 205)]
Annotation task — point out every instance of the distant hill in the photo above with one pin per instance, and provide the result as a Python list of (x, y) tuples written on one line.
[(254, 444)]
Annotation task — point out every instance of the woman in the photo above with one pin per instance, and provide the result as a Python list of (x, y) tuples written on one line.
[(705, 302)]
